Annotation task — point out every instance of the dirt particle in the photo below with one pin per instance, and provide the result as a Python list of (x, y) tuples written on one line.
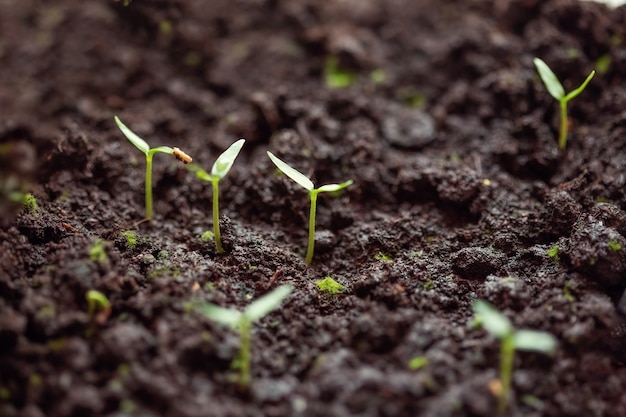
[(477, 263)]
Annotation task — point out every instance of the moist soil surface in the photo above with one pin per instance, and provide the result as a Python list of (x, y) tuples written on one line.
[(460, 193)]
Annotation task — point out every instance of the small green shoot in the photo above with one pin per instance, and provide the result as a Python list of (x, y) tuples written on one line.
[(242, 322), (308, 185), (556, 90), (418, 362), (131, 239), (553, 253), (29, 203), (380, 256), (335, 76), (220, 168), (207, 236), (98, 253), (98, 303), (614, 245), (143, 146), (498, 325), (329, 286)]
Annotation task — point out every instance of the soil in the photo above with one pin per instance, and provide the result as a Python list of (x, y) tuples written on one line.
[(460, 193)]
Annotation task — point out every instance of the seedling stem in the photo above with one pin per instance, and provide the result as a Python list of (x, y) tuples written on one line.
[(311, 246), (216, 217)]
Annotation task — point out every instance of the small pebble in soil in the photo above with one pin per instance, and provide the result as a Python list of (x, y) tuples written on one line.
[(407, 128), (477, 263)]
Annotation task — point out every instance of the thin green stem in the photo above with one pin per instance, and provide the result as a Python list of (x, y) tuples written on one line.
[(149, 213), (244, 354), (216, 217), (311, 247), (563, 130), (507, 353)]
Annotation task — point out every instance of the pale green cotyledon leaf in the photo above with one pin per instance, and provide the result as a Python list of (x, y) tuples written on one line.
[(335, 187), (269, 302), (491, 319), (139, 143), (535, 341), (225, 161), (219, 314), (550, 80), (292, 173)]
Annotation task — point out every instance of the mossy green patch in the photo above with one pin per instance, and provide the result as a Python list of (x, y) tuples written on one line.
[(329, 286)]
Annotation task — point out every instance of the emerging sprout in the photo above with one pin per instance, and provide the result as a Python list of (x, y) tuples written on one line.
[(529, 340), (418, 362), (242, 321), (98, 303), (553, 253), (554, 87), (29, 202), (143, 146), (131, 239), (337, 77), (307, 184), (220, 168), (98, 253)]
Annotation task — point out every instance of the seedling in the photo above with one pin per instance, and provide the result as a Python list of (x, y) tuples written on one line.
[(337, 77), (307, 184), (380, 256), (98, 253), (143, 146), (220, 168), (556, 90), (529, 340), (207, 236), (418, 362), (242, 322), (98, 303)]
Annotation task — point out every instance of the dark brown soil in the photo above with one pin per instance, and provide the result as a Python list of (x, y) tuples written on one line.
[(460, 192)]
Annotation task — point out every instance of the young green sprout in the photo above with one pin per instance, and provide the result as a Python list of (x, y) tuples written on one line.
[(307, 184), (96, 301), (220, 168), (529, 340), (556, 90), (242, 321), (143, 146)]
